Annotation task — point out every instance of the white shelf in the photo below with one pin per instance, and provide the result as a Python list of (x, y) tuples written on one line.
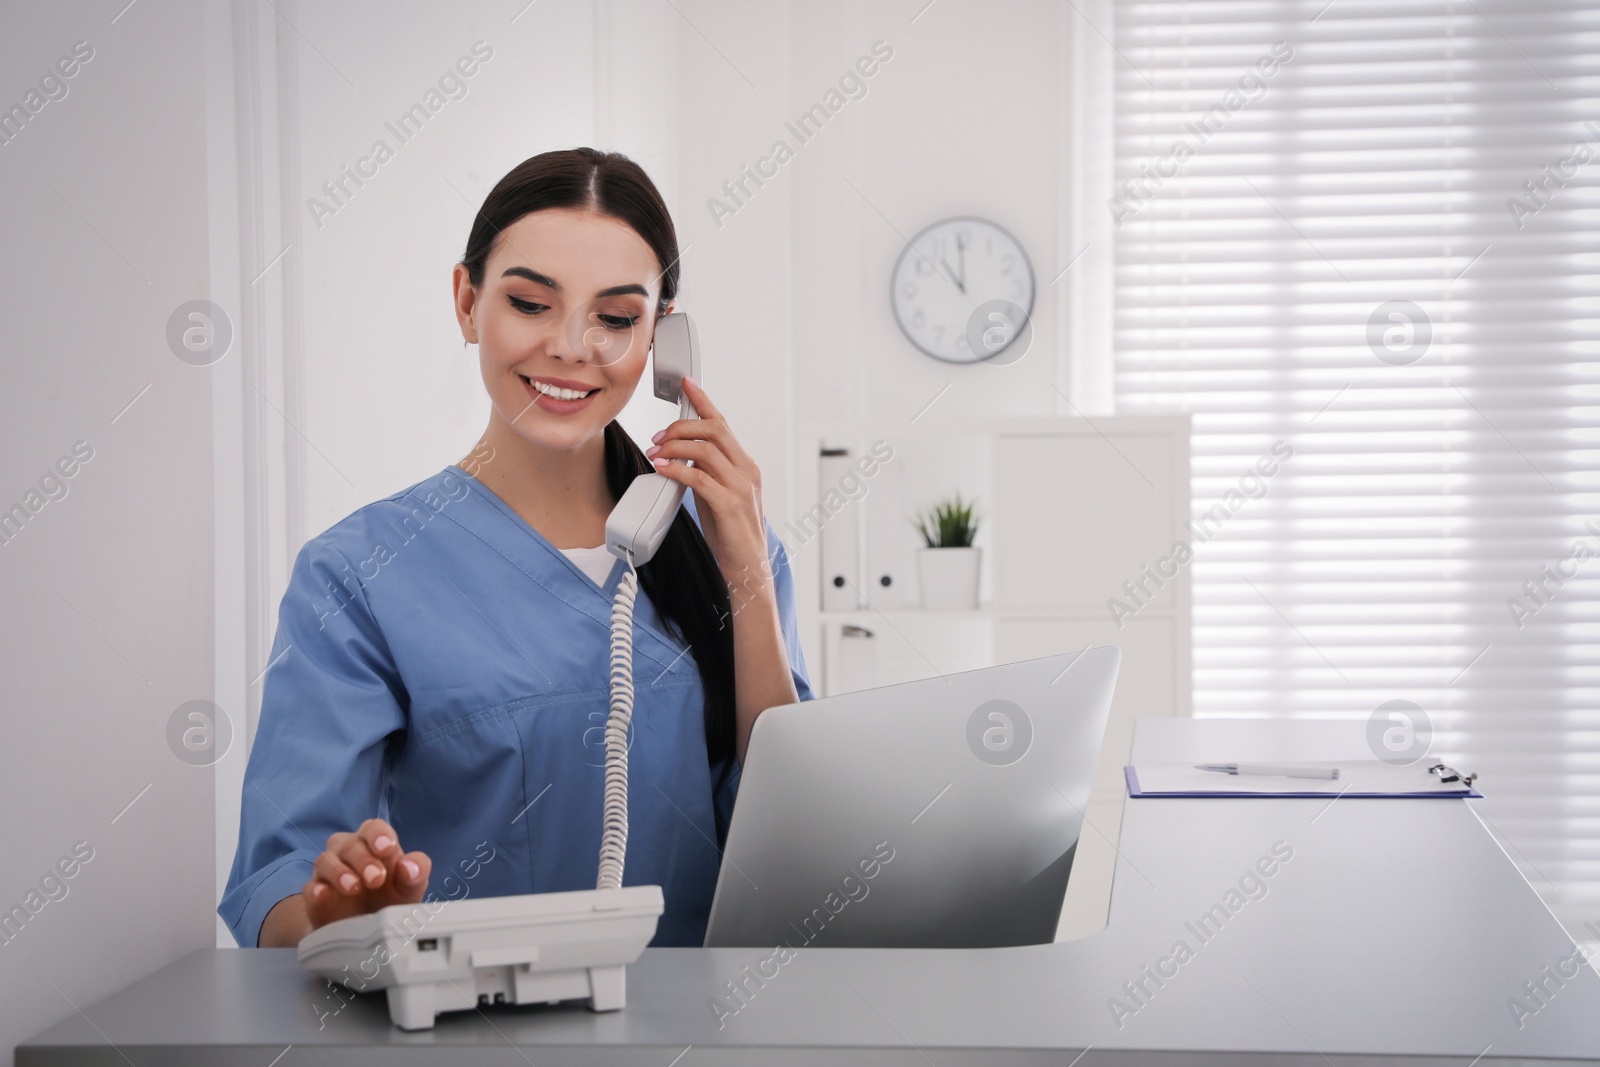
[(986, 611), (860, 614)]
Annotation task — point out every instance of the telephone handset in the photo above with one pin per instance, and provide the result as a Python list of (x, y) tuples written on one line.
[(639, 522), (539, 946)]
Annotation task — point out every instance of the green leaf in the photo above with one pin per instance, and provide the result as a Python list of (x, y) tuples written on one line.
[(948, 524)]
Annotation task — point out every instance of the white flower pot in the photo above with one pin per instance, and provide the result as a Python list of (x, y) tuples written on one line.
[(949, 577)]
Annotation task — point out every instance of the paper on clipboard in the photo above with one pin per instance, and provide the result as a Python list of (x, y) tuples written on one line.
[(1357, 778)]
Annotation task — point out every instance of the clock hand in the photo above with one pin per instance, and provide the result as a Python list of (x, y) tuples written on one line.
[(950, 276)]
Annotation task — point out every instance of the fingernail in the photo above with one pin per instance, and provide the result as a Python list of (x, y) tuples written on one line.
[(690, 379), (372, 873), (659, 435), (319, 890), (660, 461), (413, 872), (382, 842), (348, 883), (652, 450)]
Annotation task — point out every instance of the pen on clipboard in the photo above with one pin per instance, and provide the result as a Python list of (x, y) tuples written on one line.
[(1287, 770)]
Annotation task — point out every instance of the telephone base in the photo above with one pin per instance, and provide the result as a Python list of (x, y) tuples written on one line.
[(535, 948), (416, 1006)]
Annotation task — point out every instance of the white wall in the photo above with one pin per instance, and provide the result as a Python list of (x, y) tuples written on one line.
[(107, 592), (970, 116), (975, 114), (389, 395)]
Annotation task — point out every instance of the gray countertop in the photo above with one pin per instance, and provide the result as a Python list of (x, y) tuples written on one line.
[(1396, 930)]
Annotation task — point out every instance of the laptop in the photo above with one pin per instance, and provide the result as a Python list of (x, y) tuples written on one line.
[(940, 813)]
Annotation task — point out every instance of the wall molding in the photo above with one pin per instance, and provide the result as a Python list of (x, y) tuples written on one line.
[(1084, 294), (258, 464)]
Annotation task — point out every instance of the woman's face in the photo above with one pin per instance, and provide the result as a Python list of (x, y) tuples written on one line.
[(563, 322)]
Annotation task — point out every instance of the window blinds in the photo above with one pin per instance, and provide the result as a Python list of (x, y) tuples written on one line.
[(1367, 232)]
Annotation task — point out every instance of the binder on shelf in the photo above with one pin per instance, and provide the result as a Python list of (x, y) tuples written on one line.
[(853, 666), (839, 536), (1357, 778), (888, 538)]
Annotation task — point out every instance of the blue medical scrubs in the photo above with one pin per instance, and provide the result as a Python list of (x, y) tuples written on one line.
[(438, 663)]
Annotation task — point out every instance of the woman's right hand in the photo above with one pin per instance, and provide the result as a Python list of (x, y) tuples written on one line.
[(363, 871)]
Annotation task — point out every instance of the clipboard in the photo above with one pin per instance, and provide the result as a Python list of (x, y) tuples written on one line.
[(1357, 778)]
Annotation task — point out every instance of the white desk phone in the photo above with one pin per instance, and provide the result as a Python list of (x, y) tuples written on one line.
[(453, 955)]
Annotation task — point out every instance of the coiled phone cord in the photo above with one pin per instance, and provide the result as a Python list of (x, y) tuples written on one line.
[(614, 819)]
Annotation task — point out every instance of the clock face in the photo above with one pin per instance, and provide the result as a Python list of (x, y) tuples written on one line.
[(959, 289)]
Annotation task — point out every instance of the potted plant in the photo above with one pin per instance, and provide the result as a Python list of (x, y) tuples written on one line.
[(948, 564)]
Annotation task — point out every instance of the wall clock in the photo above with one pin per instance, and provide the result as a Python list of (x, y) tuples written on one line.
[(959, 288)]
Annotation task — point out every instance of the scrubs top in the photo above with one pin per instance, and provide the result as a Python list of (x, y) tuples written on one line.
[(439, 664)]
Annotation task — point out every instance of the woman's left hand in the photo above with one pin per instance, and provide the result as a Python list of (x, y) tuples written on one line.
[(725, 480)]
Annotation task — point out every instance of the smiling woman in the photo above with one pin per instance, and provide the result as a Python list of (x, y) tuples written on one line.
[(441, 703), (601, 219)]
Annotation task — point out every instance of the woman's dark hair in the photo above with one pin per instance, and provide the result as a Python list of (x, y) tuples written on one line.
[(683, 580)]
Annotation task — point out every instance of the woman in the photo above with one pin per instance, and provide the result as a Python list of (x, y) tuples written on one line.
[(432, 723)]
